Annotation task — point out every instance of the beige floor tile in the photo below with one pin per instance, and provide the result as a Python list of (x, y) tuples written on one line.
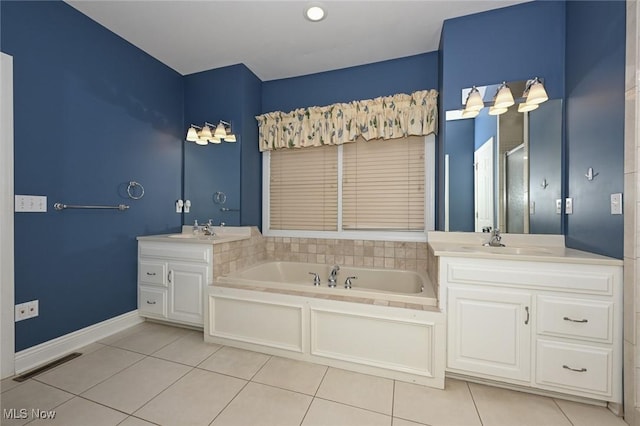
[(131, 388), (329, 413), (190, 349), (360, 390), (402, 422), (31, 395), (589, 415), (86, 371), (124, 333), (261, 405), (195, 399), (151, 338), (80, 412), (134, 421), (498, 407), (8, 384), (450, 406), (298, 376), (235, 362)]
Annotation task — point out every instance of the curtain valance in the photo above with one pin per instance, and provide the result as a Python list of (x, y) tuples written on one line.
[(387, 117)]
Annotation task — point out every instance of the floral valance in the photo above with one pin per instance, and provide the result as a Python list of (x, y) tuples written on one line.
[(380, 118)]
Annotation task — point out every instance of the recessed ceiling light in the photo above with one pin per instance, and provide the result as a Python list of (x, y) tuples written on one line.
[(315, 12)]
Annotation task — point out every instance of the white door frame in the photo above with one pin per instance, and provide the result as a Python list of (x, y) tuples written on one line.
[(7, 323)]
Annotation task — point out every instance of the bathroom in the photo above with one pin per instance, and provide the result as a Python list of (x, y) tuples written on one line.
[(107, 114)]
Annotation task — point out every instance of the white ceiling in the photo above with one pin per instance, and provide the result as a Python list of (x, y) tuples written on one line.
[(272, 38)]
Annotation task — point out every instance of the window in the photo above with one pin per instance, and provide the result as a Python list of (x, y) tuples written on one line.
[(376, 189)]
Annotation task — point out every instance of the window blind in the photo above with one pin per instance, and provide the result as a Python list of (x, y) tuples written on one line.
[(383, 184), (304, 189)]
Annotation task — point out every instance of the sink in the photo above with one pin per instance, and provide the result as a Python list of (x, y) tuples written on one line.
[(508, 250)]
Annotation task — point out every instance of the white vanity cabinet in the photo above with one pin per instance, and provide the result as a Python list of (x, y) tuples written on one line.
[(171, 280), (548, 325)]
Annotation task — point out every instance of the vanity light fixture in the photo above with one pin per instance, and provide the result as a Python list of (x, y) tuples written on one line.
[(504, 97), (315, 12), (493, 110), (535, 92), (524, 107), (203, 135), (474, 100)]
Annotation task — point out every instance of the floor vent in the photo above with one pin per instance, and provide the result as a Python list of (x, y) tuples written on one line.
[(49, 366)]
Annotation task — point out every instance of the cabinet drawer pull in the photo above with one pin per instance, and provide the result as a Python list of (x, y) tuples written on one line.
[(574, 320), (150, 302), (169, 275), (526, 308), (578, 370), (151, 273)]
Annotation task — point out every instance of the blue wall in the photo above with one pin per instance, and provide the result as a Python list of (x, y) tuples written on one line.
[(231, 94), (404, 75), (508, 44), (91, 113), (595, 122)]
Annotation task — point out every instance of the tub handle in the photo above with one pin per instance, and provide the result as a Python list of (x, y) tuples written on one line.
[(316, 278), (347, 282)]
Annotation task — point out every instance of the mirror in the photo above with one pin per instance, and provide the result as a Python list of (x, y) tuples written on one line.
[(505, 171)]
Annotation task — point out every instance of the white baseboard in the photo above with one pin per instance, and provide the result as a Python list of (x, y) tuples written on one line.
[(48, 351)]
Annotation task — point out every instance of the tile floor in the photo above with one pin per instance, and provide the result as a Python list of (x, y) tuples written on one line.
[(153, 374)]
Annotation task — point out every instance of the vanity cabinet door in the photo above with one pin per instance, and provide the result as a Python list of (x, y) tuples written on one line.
[(489, 332), (186, 291)]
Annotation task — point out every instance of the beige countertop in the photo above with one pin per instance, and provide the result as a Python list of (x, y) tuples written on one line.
[(532, 248), (222, 235)]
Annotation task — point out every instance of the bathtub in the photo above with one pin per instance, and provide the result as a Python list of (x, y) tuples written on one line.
[(371, 284), (388, 324)]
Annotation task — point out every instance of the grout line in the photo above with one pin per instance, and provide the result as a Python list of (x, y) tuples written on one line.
[(355, 406), (474, 403), (561, 410), (393, 399), (229, 403)]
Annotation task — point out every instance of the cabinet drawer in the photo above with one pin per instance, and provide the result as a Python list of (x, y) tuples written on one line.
[(152, 273), (152, 301), (575, 318), (575, 367), (201, 253)]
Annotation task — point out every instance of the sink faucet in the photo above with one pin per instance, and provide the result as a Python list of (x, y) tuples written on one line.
[(494, 240), (208, 228), (332, 276)]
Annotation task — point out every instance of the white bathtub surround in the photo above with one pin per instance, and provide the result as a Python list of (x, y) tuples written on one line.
[(397, 343)]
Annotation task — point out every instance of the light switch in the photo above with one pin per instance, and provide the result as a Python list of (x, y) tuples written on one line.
[(30, 203), (616, 203), (558, 206), (532, 207)]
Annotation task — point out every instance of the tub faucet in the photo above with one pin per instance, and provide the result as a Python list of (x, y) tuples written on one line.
[(494, 240), (332, 276)]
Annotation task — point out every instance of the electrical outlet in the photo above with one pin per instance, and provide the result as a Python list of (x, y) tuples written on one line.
[(27, 310), (532, 207), (616, 203), (558, 206), (21, 312), (568, 206), (32, 309)]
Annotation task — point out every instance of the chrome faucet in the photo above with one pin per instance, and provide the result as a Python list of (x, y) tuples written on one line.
[(494, 240), (332, 276), (208, 228)]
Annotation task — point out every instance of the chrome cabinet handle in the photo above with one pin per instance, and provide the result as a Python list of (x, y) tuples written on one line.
[(578, 370), (150, 302), (526, 322), (151, 273), (574, 320), (169, 275)]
